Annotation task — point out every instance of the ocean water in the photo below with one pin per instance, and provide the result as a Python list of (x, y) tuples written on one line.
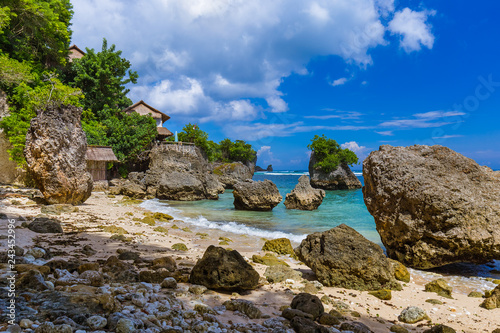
[(338, 207)]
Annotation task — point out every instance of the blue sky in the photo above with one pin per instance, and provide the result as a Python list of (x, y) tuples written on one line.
[(275, 73)]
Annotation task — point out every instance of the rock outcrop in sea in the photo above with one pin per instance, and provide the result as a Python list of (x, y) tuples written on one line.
[(256, 195), (341, 257), (304, 196), (341, 178), (231, 173), (180, 173), (433, 206), (55, 154), (268, 169)]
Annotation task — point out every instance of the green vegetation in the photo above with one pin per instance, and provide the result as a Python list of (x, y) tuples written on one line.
[(35, 74), (225, 151), (329, 155)]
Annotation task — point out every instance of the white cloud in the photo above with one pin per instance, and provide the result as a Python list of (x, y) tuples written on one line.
[(339, 82), (386, 133), (413, 27), (344, 115), (265, 156), (447, 137), (361, 151), (426, 120), (195, 57)]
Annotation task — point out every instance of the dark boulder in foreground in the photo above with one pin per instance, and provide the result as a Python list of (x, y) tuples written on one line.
[(44, 225), (55, 152), (223, 269), (341, 257), (433, 206), (303, 196), (256, 195), (341, 178)]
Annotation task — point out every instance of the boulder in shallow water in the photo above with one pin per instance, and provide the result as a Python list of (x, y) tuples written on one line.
[(341, 257), (256, 195), (341, 178), (223, 269), (55, 152), (231, 173), (303, 196), (433, 206)]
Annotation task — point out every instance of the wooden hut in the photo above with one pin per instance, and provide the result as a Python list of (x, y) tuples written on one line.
[(75, 53), (144, 109), (97, 158)]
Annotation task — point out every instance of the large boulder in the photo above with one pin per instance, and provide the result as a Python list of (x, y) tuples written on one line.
[(180, 173), (55, 152), (256, 195), (223, 269), (231, 173), (341, 257), (303, 196), (341, 178), (433, 206)]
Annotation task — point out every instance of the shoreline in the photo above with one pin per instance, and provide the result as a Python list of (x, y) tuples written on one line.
[(462, 313)]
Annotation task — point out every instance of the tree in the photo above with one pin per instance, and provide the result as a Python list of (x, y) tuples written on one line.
[(238, 150), (329, 155), (36, 31), (102, 77)]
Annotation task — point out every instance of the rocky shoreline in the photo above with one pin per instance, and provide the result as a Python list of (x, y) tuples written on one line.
[(108, 272)]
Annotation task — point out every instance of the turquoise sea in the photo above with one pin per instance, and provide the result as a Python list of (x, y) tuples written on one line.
[(338, 207)]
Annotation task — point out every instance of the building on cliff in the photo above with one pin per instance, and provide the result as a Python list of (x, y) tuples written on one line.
[(144, 109), (97, 159), (75, 53)]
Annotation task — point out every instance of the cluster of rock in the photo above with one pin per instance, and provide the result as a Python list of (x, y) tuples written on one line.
[(55, 154), (341, 178), (268, 169), (303, 196), (341, 257), (433, 206), (231, 173)]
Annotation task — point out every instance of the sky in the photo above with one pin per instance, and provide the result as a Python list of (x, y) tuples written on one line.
[(277, 72)]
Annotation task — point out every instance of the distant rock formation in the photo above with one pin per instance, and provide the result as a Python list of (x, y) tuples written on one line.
[(341, 178), (223, 269), (10, 174), (181, 173), (256, 195), (55, 154), (231, 173), (433, 206), (269, 168), (341, 257), (303, 196)]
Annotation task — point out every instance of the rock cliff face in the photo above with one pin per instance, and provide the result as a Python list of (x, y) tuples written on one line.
[(181, 173), (341, 257), (55, 154), (303, 196), (256, 195), (433, 206), (231, 173), (340, 179), (9, 174)]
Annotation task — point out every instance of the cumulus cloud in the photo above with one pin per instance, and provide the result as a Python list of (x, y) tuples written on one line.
[(195, 57), (413, 27), (339, 82), (265, 156), (361, 151)]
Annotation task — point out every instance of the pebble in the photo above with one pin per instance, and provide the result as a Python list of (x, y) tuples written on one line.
[(25, 323), (36, 252), (96, 322), (125, 325), (197, 289), (169, 283)]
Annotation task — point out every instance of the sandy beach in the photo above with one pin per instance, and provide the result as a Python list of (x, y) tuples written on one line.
[(85, 227)]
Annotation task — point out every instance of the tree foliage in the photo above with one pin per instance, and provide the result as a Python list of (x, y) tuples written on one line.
[(238, 150), (329, 155), (36, 31), (102, 77)]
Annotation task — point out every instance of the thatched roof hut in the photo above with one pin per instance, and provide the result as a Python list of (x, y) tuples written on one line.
[(143, 109), (97, 158)]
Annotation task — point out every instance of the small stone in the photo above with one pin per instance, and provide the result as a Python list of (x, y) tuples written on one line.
[(44, 225), (398, 329), (308, 303), (25, 323), (279, 246), (383, 294), (161, 229), (64, 328), (289, 313), (197, 289), (89, 266), (401, 273), (36, 252), (244, 306), (412, 314), (149, 221), (165, 262), (434, 301), (475, 294), (14, 329), (129, 255), (169, 283), (203, 308), (440, 287), (32, 280), (180, 247), (94, 277), (125, 325), (356, 327), (493, 299), (96, 322), (46, 327), (440, 329), (162, 217), (280, 273), (328, 319)]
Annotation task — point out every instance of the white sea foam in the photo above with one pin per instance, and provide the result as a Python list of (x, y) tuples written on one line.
[(284, 173), (233, 227)]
